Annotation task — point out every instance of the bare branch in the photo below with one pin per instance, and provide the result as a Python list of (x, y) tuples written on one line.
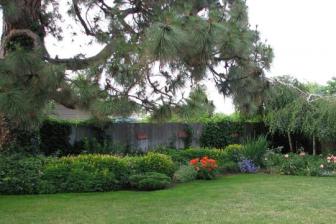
[(88, 31)]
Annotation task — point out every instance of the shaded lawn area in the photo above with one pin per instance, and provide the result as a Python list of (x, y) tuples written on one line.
[(231, 199)]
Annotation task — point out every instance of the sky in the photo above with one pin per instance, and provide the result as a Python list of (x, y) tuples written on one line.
[(302, 34)]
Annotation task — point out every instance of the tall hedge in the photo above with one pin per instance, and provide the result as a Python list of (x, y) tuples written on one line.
[(220, 134)]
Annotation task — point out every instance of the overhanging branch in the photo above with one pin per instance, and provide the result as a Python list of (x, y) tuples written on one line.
[(84, 63)]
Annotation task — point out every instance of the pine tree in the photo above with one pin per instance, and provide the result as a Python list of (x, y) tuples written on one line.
[(152, 51)]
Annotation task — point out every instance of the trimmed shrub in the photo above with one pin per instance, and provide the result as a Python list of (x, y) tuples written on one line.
[(150, 181), (111, 170), (20, 174), (185, 174), (154, 162), (78, 176)]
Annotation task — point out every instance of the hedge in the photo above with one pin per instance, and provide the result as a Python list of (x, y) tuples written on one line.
[(84, 173)]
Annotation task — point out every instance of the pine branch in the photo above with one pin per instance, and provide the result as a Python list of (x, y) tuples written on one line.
[(79, 64)]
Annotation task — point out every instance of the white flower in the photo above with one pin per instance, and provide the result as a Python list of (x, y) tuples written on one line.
[(321, 166), (286, 156)]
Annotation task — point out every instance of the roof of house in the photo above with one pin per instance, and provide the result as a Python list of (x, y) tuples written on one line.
[(63, 113)]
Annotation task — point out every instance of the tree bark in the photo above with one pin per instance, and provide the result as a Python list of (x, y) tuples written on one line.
[(290, 142), (21, 18), (314, 145), (21, 25)]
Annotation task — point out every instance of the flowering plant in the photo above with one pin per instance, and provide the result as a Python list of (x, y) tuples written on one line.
[(247, 166), (331, 159), (206, 168)]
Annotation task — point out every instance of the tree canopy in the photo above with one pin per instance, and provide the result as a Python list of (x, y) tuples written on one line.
[(152, 51)]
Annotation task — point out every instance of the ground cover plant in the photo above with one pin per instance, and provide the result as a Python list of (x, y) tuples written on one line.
[(234, 199)]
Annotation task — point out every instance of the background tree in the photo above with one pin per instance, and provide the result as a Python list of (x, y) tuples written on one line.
[(294, 107), (282, 107), (152, 50)]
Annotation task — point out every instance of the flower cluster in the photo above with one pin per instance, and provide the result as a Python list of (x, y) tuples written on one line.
[(247, 166), (331, 159), (204, 163), (205, 167)]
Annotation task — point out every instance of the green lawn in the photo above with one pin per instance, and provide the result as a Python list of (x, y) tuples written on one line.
[(230, 199)]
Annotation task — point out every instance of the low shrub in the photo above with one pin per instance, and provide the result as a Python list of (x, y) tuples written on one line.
[(206, 168), (150, 181), (185, 174), (229, 167), (20, 174), (234, 152)]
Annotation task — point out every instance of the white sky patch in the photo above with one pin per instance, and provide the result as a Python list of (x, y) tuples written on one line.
[(301, 32)]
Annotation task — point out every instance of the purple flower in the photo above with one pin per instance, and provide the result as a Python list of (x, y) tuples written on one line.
[(247, 166)]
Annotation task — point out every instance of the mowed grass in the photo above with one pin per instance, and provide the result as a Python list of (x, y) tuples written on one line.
[(231, 199)]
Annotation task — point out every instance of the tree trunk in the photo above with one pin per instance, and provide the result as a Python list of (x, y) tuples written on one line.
[(21, 15), (314, 145), (290, 142), (22, 25)]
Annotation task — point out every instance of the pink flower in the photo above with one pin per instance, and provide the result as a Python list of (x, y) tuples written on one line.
[(302, 153)]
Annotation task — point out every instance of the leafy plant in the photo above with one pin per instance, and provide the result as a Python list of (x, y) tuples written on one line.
[(185, 173), (20, 174), (255, 150), (234, 151)]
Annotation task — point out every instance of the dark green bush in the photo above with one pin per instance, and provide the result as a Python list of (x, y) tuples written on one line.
[(150, 181), (184, 174), (20, 174), (55, 138), (230, 167), (220, 134)]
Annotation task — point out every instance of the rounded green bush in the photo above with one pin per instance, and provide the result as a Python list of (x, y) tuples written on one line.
[(155, 162)]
